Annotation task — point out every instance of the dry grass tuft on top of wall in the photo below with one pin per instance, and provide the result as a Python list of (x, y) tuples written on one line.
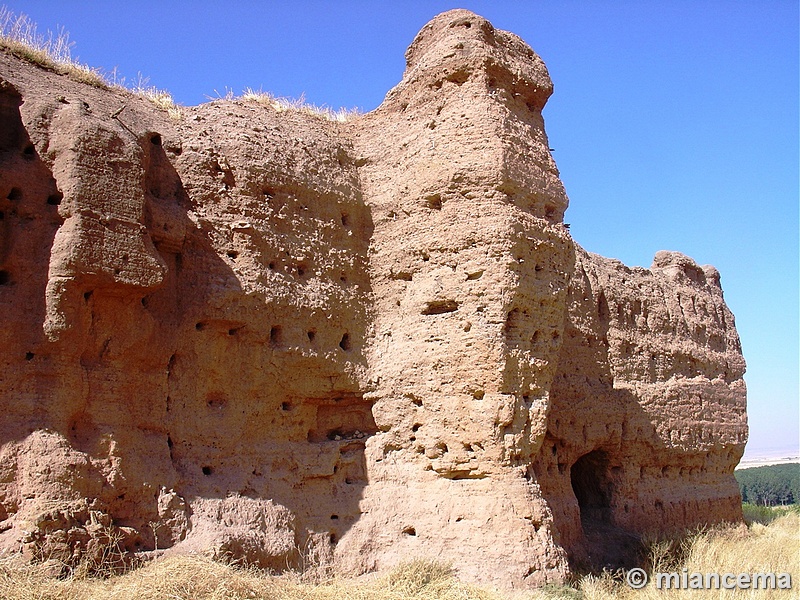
[(51, 51)]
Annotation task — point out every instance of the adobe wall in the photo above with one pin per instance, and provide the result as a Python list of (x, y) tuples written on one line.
[(262, 334)]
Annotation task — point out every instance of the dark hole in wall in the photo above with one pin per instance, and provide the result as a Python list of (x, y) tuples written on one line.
[(608, 544), (592, 487), (345, 343), (275, 336), (434, 202), (55, 199), (439, 307), (5, 277)]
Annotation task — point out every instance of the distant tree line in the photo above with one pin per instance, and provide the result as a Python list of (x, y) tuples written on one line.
[(773, 485)]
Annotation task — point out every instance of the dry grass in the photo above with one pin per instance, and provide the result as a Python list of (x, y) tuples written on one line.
[(159, 98), (200, 578), (760, 548), (299, 105), (757, 549), (52, 51)]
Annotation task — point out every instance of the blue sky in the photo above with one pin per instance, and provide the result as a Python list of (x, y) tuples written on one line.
[(675, 124)]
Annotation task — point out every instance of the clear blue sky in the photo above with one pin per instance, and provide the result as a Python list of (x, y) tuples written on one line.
[(674, 123)]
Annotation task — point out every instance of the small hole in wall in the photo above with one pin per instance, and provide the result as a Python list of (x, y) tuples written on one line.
[(29, 355), (155, 140), (15, 194), (200, 326), (216, 400), (345, 343), (410, 531), (301, 270), (170, 444), (434, 202), (416, 427), (286, 407), (271, 266), (333, 538), (5, 277), (87, 295), (311, 335), (29, 151), (478, 394), (345, 220), (275, 336), (232, 254), (334, 517), (207, 470), (416, 401), (55, 199), (343, 278)]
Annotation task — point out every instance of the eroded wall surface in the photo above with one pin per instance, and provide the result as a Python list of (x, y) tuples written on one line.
[(263, 334)]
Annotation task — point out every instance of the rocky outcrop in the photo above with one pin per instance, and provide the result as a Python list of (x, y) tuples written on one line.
[(267, 335)]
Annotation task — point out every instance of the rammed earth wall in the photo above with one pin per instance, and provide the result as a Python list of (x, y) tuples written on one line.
[(267, 335)]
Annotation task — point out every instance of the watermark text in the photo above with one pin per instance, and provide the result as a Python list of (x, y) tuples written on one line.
[(686, 580)]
